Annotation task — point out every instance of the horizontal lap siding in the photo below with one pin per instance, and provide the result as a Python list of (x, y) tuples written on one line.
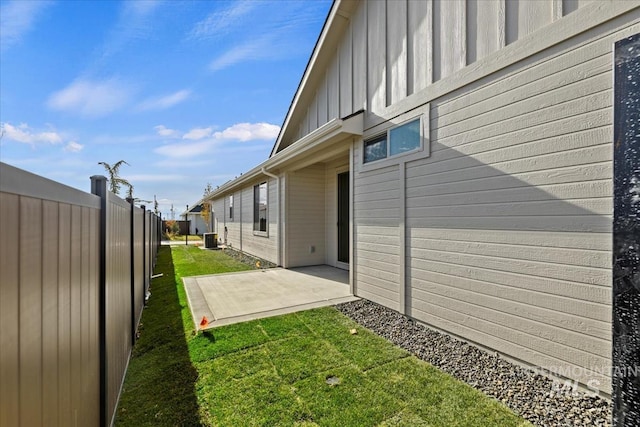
[(260, 246), (233, 224), (306, 216), (509, 220), (377, 242), (219, 221)]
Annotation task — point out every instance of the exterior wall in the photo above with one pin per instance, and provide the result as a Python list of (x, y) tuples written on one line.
[(240, 234), (395, 48), (376, 204), (506, 224), (233, 224), (196, 221), (305, 216), (218, 208)]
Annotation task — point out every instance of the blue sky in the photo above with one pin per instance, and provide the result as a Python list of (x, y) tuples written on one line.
[(187, 92)]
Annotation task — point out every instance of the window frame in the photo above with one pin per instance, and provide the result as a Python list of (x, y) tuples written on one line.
[(256, 209), (231, 207), (386, 134)]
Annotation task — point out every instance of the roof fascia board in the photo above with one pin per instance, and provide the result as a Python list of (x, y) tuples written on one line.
[(336, 128), (332, 20)]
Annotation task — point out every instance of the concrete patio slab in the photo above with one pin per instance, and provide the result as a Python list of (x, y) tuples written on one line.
[(238, 297)]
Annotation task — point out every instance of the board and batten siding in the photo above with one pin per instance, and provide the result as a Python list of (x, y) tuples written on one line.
[(508, 221), (305, 216), (395, 48)]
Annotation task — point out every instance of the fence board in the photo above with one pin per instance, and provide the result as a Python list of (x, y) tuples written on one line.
[(9, 312), (50, 278)]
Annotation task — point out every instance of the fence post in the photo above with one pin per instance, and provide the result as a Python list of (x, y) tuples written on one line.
[(132, 255), (99, 188), (144, 254)]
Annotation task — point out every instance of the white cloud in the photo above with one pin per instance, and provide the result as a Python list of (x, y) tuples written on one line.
[(185, 150), (164, 102), (134, 23), (91, 98), (17, 18), (219, 22), (198, 133), (166, 132), (250, 51), (73, 147), (249, 132), (24, 134), (207, 141)]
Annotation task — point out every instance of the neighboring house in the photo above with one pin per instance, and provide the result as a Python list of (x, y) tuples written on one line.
[(455, 156), (197, 225)]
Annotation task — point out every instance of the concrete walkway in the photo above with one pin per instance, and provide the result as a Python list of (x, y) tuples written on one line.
[(237, 297)]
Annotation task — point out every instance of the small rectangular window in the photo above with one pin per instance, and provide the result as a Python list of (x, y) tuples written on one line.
[(404, 138), (231, 206), (375, 149), (260, 207), (397, 140)]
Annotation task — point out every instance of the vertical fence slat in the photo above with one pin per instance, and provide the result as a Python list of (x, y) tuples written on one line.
[(72, 290), (9, 315), (30, 311), (93, 397), (84, 312), (50, 261), (75, 309), (64, 315)]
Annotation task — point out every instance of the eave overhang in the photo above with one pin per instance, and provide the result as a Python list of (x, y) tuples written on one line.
[(336, 23), (311, 144)]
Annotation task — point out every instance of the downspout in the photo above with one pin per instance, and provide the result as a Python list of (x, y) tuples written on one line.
[(277, 178)]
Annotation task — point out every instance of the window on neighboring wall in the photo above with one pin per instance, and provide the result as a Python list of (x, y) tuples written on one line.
[(397, 140), (260, 207), (231, 206)]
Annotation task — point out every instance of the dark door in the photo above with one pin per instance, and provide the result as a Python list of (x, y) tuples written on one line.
[(343, 217)]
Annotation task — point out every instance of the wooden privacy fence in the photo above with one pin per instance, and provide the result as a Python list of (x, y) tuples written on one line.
[(75, 269)]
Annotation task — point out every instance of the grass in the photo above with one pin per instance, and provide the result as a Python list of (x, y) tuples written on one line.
[(274, 371), (191, 237)]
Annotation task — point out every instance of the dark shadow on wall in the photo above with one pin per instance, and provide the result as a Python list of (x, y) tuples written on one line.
[(494, 188), (159, 387)]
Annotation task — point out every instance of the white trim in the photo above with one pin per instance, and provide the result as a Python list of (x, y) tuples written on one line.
[(352, 252), (339, 16), (260, 233), (333, 131), (402, 235), (417, 153)]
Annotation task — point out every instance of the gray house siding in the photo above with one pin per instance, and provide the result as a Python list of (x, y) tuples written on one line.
[(305, 216), (507, 240), (498, 230), (239, 228)]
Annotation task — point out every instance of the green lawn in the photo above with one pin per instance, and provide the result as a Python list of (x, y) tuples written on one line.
[(274, 371)]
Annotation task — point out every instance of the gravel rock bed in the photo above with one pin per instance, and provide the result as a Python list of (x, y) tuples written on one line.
[(535, 397), (248, 259)]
